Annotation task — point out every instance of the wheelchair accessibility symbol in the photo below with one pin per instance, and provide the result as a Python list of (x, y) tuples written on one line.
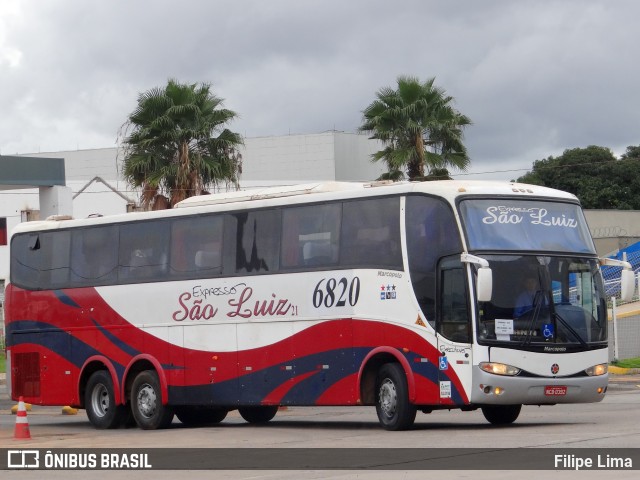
[(444, 363), (547, 330)]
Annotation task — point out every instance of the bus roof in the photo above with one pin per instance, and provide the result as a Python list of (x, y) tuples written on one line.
[(309, 193)]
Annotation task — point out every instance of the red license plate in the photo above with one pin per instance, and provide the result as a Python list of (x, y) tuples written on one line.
[(555, 391)]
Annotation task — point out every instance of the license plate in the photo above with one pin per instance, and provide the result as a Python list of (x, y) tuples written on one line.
[(555, 391)]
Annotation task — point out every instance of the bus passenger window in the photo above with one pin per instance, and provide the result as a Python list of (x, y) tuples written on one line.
[(371, 233), (41, 261), (196, 246), (257, 241), (310, 236), (94, 256), (143, 251)]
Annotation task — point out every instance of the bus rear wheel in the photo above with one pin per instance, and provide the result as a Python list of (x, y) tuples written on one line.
[(100, 402), (146, 402), (196, 415), (501, 414), (392, 398), (261, 414)]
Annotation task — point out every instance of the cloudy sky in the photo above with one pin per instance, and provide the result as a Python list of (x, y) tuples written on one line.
[(536, 77)]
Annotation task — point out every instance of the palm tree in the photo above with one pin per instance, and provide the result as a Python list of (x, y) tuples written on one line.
[(418, 127), (176, 144)]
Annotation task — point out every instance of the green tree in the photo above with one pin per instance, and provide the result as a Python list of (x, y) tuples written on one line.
[(177, 145), (594, 175), (418, 127)]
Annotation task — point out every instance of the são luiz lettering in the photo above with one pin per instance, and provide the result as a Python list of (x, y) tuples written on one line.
[(575, 462), (242, 306)]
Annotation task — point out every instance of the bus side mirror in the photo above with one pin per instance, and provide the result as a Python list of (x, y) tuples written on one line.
[(627, 285), (484, 284)]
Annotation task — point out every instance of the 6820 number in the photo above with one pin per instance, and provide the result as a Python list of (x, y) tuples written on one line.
[(331, 292)]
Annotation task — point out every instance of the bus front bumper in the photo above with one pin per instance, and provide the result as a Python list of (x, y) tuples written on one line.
[(505, 390)]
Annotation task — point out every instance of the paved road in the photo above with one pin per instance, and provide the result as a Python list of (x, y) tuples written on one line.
[(614, 423)]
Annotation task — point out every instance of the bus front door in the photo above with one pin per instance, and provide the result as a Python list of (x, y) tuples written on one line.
[(453, 326)]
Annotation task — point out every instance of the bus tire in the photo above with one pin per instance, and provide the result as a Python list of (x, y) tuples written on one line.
[(196, 415), (146, 402), (501, 414), (392, 398), (100, 402), (260, 414)]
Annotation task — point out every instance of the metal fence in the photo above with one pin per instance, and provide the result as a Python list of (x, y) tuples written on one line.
[(624, 317)]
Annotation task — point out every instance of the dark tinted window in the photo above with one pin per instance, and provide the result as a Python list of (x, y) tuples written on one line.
[(94, 256), (40, 260), (143, 251), (257, 241), (371, 233), (454, 321), (311, 236), (432, 233), (196, 246)]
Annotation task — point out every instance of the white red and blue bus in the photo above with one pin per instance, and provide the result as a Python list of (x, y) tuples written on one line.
[(400, 296)]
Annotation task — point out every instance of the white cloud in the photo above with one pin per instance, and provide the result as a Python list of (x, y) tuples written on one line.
[(535, 77)]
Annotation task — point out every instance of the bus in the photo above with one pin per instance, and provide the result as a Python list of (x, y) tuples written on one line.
[(403, 296)]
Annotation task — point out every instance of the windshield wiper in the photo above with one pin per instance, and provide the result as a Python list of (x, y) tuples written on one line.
[(537, 307), (571, 330)]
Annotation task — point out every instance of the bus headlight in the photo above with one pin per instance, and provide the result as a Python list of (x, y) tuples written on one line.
[(597, 370), (499, 368)]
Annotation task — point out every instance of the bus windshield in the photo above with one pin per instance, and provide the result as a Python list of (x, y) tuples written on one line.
[(525, 225), (544, 300)]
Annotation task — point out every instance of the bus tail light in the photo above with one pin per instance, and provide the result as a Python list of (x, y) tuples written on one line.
[(499, 368)]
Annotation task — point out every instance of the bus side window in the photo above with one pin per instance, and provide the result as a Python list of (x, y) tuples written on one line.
[(196, 246), (257, 241), (454, 321), (41, 261), (371, 233), (310, 235), (431, 234), (143, 251), (94, 256)]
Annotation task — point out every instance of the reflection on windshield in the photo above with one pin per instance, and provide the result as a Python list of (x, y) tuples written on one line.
[(543, 299)]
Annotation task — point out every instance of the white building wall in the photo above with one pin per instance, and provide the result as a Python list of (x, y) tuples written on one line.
[(353, 158), (288, 159), (86, 164)]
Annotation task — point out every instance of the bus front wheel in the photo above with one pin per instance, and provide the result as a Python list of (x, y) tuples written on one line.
[(392, 398), (501, 414), (146, 402), (100, 402)]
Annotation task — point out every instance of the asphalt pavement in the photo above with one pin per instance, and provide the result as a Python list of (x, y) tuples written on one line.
[(626, 378)]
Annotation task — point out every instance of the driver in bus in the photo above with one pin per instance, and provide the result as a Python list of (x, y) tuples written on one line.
[(528, 298)]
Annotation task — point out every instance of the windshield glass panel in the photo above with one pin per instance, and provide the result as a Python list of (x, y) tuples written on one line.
[(544, 300), (525, 225)]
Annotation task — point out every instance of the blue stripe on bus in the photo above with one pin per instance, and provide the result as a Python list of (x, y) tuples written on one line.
[(54, 339), (116, 341), (254, 387), (66, 299)]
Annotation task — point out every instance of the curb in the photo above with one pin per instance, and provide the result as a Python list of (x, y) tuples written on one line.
[(623, 371)]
